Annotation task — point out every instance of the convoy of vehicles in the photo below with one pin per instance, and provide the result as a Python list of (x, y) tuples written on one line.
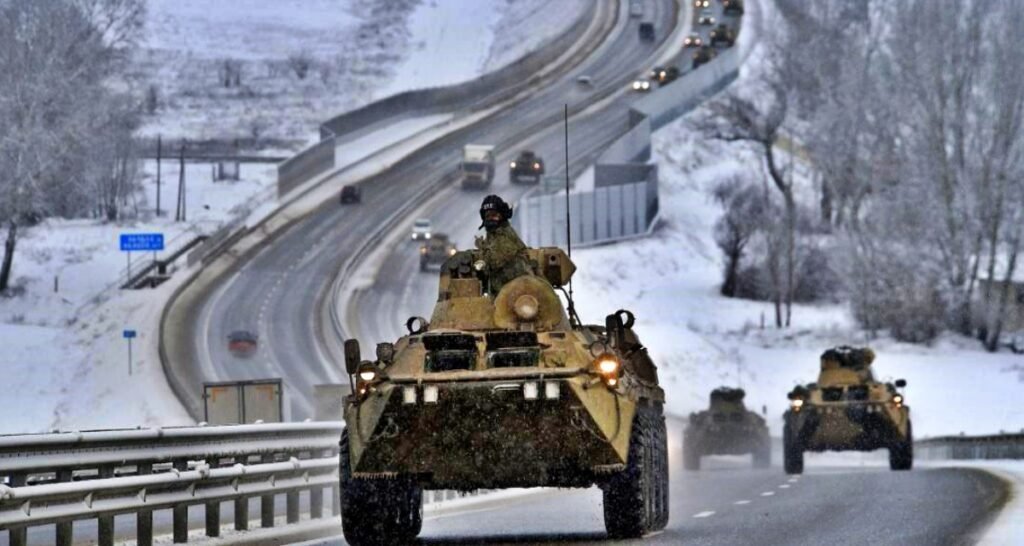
[(503, 390), (477, 166)]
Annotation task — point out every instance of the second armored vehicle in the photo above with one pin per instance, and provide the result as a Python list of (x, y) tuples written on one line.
[(503, 390), (528, 167), (726, 428), (847, 409)]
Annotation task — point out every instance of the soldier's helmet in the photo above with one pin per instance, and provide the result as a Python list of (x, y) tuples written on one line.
[(495, 203)]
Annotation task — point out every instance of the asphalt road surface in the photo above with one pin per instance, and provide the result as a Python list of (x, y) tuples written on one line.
[(730, 504)]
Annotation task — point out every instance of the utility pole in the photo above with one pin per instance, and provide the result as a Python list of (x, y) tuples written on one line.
[(179, 216), (159, 149)]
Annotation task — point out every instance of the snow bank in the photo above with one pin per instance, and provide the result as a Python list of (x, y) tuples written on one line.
[(523, 25)]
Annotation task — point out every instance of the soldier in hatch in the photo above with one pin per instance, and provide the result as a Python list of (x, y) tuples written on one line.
[(502, 252)]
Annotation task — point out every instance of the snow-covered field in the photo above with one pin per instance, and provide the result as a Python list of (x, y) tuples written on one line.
[(356, 51), (702, 340)]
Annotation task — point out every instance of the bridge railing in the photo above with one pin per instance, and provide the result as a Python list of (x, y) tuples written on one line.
[(993, 446)]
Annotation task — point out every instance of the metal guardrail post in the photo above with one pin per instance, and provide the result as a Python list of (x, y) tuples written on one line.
[(292, 506), (316, 502), (144, 518), (180, 512), (213, 519), (105, 528), (242, 514), (267, 511), (65, 529), (17, 536)]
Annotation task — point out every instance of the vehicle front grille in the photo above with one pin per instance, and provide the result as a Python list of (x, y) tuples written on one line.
[(858, 393), (832, 394)]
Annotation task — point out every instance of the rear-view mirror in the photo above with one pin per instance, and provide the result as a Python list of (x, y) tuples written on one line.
[(900, 383)]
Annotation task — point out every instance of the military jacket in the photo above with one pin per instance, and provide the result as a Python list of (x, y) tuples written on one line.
[(505, 256)]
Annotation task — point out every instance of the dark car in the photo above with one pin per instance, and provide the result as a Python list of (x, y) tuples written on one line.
[(732, 7), (528, 167), (242, 343), (647, 31), (351, 194), (664, 74), (722, 34), (703, 55)]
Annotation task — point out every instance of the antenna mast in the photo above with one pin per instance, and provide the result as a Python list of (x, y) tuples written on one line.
[(573, 318)]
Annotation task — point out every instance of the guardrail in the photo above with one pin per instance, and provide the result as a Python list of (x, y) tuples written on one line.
[(60, 478), (993, 446)]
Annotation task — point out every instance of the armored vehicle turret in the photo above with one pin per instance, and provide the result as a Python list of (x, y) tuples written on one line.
[(503, 389), (848, 409), (726, 428)]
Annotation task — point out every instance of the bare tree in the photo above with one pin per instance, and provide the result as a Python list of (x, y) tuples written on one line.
[(742, 218), (300, 62), (735, 118)]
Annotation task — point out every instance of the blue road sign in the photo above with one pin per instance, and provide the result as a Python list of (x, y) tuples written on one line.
[(132, 242), (128, 334)]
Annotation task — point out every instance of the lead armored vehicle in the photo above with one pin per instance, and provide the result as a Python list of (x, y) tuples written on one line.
[(503, 390), (847, 409), (726, 428)]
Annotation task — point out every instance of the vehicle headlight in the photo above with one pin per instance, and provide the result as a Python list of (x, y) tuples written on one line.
[(608, 364), (647, 85), (367, 372), (796, 404), (426, 235), (898, 400), (526, 307), (512, 165), (536, 166), (451, 251), (636, 85), (423, 250)]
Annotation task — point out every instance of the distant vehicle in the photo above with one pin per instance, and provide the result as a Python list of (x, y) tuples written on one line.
[(722, 34), (702, 3), (636, 8), (585, 81), (693, 40), (847, 410), (436, 251), (664, 74), (242, 343), (646, 31), (732, 7), (528, 167), (642, 85), (351, 194), (477, 167), (706, 18), (422, 230), (726, 428), (703, 55)]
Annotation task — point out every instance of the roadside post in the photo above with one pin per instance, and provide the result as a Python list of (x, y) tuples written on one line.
[(129, 335)]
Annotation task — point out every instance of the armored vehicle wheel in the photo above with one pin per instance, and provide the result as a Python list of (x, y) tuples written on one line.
[(691, 453), (763, 453), (423, 265), (901, 454), (636, 499), (378, 511), (792, 452)]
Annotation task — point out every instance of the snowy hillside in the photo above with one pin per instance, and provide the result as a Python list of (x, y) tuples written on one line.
[(300, 62)]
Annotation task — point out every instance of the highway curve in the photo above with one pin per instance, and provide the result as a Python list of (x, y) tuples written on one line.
[(275, 292)]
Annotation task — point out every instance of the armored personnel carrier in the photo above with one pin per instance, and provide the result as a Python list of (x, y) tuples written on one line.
[(503, 390), (726, 428), (847, 409)]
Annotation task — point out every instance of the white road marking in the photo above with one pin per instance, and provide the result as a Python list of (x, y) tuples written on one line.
[(784, 486), (794, 480), (767, 493), (704, 514), (741, 502)]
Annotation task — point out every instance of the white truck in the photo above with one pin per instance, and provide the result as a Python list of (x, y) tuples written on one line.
[(477, 167)]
